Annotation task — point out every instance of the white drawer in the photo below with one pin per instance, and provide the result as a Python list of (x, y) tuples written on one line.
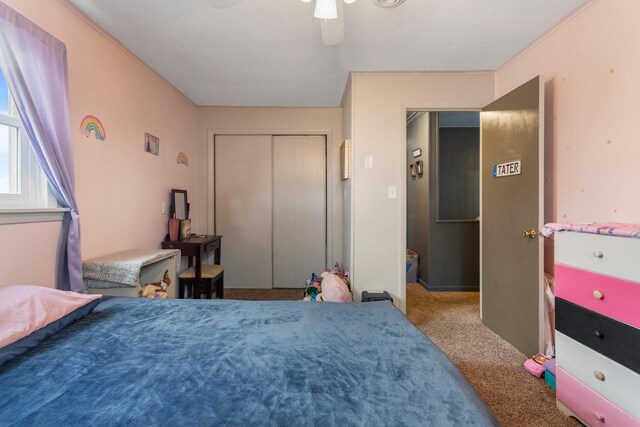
[(621, 386), (610, 255)]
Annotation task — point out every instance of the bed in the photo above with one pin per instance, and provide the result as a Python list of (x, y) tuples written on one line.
[(151, 362)]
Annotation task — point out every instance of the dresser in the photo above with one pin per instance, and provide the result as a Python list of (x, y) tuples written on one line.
[(597, 281)]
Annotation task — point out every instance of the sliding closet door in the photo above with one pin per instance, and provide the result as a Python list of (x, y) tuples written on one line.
[(243, 209), (299, 209)]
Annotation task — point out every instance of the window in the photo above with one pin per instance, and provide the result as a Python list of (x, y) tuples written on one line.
[(22, 182)]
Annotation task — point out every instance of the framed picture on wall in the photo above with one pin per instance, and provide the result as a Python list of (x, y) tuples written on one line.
[(345, 156), (151, 144)]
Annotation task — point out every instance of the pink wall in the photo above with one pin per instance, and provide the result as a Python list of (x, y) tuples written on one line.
[(591, 66), (119, 187), (27, 253)]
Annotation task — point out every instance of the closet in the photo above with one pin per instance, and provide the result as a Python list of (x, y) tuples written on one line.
[(270, 208)]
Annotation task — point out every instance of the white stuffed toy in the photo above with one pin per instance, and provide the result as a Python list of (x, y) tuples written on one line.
[(334, 289)]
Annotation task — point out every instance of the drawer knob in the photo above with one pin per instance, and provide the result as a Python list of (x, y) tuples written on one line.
[(598, 334), (599, 375), (598, 295), (598, 416), (598, 254)]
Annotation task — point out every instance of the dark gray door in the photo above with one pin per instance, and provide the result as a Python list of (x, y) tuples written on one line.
[(512, 131)]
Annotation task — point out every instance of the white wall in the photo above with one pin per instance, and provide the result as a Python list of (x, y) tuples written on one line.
[(380, 101), (238, 120), (347, 199), (590, 65)]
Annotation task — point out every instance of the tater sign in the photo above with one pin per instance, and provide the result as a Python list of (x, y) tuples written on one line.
[(506, 169)]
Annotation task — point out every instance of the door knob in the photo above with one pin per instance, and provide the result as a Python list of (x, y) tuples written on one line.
[(530, 233)]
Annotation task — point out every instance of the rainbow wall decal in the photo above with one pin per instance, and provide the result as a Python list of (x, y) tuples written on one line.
[(182, 159), (92, 124)]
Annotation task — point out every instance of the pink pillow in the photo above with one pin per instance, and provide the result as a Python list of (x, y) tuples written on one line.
[(27, 308)]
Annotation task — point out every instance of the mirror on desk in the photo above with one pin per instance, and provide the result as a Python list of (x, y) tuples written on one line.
[(179, 204)]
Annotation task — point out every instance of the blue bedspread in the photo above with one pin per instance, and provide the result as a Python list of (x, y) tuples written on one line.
[(146, 362)]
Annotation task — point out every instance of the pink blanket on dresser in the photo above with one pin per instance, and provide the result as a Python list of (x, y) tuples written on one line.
[(609, 228)]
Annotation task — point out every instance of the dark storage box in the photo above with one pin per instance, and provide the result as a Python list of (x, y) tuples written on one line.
[(376, 296)]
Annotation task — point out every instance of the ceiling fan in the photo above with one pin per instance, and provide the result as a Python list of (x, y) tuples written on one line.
[(330, 13)]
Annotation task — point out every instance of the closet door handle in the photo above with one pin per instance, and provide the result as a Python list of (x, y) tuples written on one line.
[(598, 254), (598, 334)]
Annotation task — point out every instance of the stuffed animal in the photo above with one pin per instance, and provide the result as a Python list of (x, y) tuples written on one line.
[(334, 289), (156, 289), (311, 293)]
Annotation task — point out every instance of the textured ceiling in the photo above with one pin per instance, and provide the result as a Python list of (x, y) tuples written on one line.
[(270, 53)]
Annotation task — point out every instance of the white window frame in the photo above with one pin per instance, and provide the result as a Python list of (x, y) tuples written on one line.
[(33, 188)]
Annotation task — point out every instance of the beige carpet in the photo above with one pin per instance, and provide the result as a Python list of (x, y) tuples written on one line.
[(492, 366)]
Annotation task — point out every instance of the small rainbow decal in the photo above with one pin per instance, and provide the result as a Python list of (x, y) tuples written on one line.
[(92, 124), (182, 159)]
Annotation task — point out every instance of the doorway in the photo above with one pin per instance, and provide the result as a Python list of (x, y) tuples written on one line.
[(443, 157), (270, 208), (511, 212)]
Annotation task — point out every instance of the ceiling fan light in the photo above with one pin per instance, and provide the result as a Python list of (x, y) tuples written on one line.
[(326, 9)]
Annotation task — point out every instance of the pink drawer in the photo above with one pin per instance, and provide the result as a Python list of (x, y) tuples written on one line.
[(588, 405), (611, 297)]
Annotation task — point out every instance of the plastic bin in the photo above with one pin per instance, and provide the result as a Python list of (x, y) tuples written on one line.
[(412, 266)]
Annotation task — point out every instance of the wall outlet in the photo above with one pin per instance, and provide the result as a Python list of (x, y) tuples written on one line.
[(393, 192), (368, 162)]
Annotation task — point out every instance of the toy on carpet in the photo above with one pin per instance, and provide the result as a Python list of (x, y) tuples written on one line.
[(334, 289), (332, 286), (313, 288), (156, 289), (534, 365)]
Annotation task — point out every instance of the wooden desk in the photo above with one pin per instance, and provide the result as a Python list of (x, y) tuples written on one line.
[(195, 248)]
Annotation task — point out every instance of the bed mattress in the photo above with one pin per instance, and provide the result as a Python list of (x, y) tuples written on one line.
[(167, 362)]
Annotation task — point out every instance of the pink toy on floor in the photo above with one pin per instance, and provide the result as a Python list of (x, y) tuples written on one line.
[(334, 289)]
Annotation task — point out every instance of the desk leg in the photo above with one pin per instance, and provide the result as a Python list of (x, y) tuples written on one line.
[(180, 290), (216, 256), (220, 288), (196, 281)]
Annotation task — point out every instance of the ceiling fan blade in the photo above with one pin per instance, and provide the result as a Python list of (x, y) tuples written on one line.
[(333, 29), (223, 4)]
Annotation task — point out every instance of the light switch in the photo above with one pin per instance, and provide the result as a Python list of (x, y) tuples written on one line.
[(393, 192), (368, 162), (163, 208)]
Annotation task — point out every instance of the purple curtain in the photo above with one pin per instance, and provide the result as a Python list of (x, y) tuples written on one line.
[(35, 67)]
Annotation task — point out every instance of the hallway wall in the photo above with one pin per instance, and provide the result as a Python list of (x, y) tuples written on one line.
[(418, 194)]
